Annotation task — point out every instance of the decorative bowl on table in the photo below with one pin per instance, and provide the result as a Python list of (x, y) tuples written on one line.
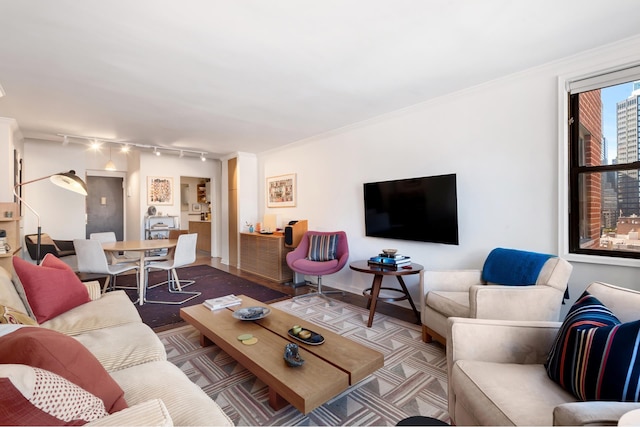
[(389, 252), (251, 313), (292, 355)]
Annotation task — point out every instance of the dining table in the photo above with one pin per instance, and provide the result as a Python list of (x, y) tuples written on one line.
[(145, 248)]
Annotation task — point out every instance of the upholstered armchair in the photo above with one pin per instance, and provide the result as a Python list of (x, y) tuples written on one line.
[(497, 376), (512, 285), (59, 248), (319, 253)]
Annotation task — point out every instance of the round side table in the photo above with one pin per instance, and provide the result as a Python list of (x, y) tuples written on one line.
[(379, 271)]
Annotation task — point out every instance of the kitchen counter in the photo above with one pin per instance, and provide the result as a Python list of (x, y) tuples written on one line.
[(203, 228)]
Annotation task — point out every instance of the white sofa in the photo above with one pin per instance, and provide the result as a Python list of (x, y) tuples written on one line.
[(497, 376), (109, 326)]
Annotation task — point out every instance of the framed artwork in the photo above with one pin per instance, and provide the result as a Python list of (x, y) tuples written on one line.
[(281, 191), (159, 190), (196, 207)]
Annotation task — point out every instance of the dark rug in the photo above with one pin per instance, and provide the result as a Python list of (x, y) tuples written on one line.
[(208, 280)]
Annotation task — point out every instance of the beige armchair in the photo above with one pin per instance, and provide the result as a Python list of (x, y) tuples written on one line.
[(496, 373), (464, 293)]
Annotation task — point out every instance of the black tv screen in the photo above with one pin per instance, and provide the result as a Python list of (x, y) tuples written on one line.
[(422, 209)]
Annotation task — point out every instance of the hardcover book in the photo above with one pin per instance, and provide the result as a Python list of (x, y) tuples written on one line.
[(222, 302)]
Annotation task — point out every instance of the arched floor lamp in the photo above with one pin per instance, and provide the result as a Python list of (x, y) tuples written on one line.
[(67, 180)]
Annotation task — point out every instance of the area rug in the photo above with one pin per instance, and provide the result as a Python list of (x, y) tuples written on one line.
[(208, 280), (412, 382)]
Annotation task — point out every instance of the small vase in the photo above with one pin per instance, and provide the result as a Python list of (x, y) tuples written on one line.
[(251, 229)]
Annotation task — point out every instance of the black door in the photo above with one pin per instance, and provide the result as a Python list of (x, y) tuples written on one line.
[(105, 208)]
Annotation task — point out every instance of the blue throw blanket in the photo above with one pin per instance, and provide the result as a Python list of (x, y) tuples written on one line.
[(513, 267)]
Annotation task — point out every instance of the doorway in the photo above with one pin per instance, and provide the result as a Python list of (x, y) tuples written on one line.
[(105, 206)]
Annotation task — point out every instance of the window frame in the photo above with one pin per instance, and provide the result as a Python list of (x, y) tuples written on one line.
[(569, 88)]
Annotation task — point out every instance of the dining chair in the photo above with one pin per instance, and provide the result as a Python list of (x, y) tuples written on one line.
[(110, 236), (92, 259), (184, 254)]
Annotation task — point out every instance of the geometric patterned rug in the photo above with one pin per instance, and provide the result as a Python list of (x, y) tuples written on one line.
[(412, 382)]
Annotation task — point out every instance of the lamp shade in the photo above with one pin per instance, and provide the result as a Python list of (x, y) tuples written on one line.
[(69, 181)]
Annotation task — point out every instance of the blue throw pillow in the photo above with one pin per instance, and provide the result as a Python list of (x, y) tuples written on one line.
[(595, 356), (322, 247)]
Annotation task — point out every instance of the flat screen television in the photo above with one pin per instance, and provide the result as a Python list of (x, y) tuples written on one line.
[(422, 209)]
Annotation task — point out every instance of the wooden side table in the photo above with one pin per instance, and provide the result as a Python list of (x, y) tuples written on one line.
[(373, 293)]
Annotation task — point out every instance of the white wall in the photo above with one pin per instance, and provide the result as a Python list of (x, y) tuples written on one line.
[(172, 166), (62, 212), (10, 139), (500, 138)]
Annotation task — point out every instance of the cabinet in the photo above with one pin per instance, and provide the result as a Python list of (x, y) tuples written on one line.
[(203, 228), (10, 223), (265, 255)]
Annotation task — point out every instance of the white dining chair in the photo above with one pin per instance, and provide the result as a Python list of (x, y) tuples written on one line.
[(184, 254), (92, 259), (110, 236)]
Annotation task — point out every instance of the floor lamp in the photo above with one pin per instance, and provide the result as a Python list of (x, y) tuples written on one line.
[(67, 180)]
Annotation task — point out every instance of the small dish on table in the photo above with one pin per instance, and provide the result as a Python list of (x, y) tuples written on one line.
[(251, 313), (312, 338)]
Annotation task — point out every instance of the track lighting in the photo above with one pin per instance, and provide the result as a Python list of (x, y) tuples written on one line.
[(95, 143)]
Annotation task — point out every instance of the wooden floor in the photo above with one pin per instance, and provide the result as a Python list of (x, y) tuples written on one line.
[(358, 300)]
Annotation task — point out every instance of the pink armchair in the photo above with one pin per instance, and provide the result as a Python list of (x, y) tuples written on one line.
[(298, 259)]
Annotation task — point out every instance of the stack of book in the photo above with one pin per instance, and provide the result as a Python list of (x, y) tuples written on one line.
[(222, 302), (4, 247), (390, 261)]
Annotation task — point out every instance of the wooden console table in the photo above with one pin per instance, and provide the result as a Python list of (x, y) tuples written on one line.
[(265, 255), (379, 271)]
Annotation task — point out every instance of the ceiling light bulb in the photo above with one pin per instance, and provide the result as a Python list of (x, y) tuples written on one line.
[(125, 148), (65, 141), (202, 157), (95, 144), (155, 151)]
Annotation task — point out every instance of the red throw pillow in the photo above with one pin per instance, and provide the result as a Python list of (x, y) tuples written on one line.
[(58, 353), (51, 288)]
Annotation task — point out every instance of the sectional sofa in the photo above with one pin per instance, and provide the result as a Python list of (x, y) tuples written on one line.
[(123, 354)]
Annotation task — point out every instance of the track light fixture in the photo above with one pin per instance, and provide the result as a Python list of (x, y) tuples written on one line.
[(95, 143)]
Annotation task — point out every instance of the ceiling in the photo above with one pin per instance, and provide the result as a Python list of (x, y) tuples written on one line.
[(250, 75)]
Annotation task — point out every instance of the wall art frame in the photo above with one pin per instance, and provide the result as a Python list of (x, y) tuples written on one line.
[(281, 191), (160, 190)]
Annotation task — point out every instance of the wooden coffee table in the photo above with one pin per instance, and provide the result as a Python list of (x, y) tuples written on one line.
[(328, 370)]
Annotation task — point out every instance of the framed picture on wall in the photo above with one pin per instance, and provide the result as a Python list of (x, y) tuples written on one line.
[(160, 190), (281, 191)]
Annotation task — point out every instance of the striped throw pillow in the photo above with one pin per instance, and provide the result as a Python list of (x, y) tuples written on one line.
[(595, 356), (322, 247)]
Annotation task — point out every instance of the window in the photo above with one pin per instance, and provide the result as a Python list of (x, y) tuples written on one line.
[(604, 164)]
